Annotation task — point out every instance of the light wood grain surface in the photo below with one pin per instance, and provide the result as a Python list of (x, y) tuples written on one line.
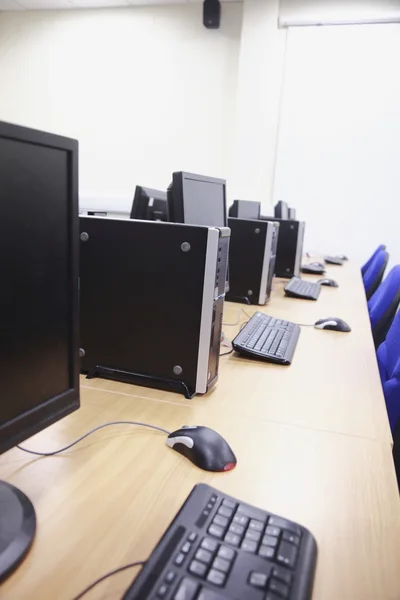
[(333, 383), (107, 501), (312, 443)]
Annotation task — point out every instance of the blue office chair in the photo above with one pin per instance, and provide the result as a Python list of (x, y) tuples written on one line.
[(374, 274), (388, 356), (365, 268), (383, 305)]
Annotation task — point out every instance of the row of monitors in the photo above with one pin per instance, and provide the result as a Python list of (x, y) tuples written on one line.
[(197, 200)]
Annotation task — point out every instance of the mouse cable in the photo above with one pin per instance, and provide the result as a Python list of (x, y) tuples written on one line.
[(237, 320), (140, 563), (90, 433)]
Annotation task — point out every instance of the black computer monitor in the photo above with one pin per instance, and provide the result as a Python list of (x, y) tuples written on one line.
[(292, 214), (281, 210), (197, 200), (245, 209), (149, 205), (39, 351)]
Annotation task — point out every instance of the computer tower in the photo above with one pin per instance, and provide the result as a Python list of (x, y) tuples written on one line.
[(252, 255), (151, 302), (290, 247)]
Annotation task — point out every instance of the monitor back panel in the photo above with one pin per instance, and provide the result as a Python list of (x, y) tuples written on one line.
[(143, 304)]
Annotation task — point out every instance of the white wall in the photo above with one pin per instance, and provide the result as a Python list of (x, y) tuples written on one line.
[(145, 90), (261, 67), (339, 143)]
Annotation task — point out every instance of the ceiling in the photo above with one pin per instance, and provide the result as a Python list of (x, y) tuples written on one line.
[(17, 5)]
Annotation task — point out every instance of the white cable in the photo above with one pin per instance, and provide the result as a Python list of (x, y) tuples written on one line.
[(90, 433)]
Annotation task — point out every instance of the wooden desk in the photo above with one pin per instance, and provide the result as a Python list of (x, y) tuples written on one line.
[(333, 383), (316, 449)]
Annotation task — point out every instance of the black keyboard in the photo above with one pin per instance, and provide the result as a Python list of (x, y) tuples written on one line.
[(307, 290), (312, 270), (218, 548), (268, 338), (334, 260)]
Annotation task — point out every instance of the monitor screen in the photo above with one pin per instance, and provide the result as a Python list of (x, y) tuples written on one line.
[(197, 200), (248, 209), (204, 203), (39, 281)]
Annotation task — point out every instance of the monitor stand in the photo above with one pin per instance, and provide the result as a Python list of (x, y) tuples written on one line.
[(17, 527)]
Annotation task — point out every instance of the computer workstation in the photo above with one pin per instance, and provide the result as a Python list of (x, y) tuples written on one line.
[(45, 348)]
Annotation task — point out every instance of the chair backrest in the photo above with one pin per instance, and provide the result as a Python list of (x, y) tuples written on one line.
[(388, 356), (383, 305), (365, 268), (374, 275)]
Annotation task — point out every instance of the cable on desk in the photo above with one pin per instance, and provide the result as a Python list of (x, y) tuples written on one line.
[(101, 579), (90, 433), (226, 353), (236, 322)]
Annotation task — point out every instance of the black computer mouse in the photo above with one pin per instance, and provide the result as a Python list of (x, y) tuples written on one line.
[(333, 324), (317, 265), (342, 257), (204, 447), (328, 282)]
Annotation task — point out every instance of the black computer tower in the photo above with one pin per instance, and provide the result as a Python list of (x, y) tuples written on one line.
[(151, 302), (290, 247), (252, 255)]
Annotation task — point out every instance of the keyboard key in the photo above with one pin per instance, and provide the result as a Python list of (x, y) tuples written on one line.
[(209, 544), (278, 588), (270, 530), (170, 576), (232, 538), (192, 537), (203, 556), (283, 524), (216, 577), (216, 531), (256, 525), (249, 546), (283, 575), (222, 521), (197, 568), (240, 520), (227, 553), (221, 564), (162, 591), (266, 552), (187, 590), (179, 559), (258, 580), (272, 596), (228, 503), (238, 529), (287, 554), (270, 540), (253, 535), (224, 511), (210, 595), (186, 547), (291, 537), (249, 511)]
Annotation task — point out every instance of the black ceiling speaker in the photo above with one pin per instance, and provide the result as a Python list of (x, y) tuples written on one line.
[(211, 14)]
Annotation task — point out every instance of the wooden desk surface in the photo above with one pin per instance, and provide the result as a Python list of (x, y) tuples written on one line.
[(333, 383), (314, 447), (107, 501)]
